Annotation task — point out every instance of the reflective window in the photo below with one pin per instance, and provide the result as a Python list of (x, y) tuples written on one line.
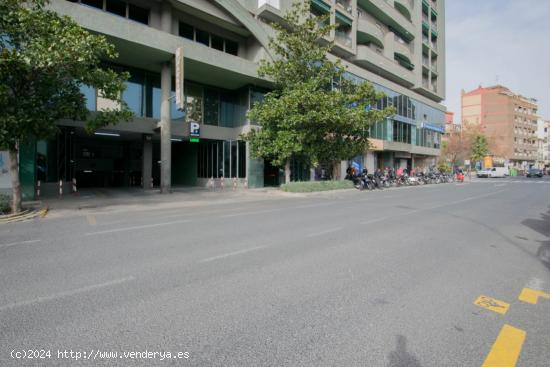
[(117, 7), (90, 95), (133, 95), (193, 103)]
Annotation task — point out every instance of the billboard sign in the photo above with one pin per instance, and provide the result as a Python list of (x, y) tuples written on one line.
[(179, 79)]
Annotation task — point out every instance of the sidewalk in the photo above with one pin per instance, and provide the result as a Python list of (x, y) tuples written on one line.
[(100, 200)]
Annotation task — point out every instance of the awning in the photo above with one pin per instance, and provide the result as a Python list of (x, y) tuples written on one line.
[(321, 5), (341, 18), (436, 128)]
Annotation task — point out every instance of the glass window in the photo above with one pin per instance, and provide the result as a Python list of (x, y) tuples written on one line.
[(202, 37), (211, 107), (133, 95), (234, 153), (156, 102), (217, 42), (231, 47), (90, 95), (174, 112), (242, 159), (94, 3), (138, 14), (193, 103), (226, 158), (187, 31), (117, 7)]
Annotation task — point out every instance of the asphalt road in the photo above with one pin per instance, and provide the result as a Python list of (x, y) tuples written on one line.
[(385, 278)]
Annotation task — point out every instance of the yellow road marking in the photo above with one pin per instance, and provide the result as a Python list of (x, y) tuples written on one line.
[(531, 296), (91, 220), (492, 304), (505, 352)]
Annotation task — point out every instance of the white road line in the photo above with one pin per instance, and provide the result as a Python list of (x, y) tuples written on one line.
[(320, 233), (375, 220), (231, 254), (66, 293), (250, 213), (136, 227), (18, 243)]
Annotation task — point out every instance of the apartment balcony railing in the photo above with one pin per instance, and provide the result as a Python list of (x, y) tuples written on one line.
[(434, 26), (369, 32), (425, 61), (342, 38), (345, 5)]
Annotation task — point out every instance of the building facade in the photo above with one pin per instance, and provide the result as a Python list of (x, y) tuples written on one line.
[(508, 120), (546, 143), (397, 45)]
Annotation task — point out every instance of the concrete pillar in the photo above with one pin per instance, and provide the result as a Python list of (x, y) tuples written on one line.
[(165, 130), (312, 174), (165, 118), (147, 161)]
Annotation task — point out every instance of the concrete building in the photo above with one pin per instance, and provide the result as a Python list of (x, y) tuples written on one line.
[(508, 120), (398, 45), (546, 143)]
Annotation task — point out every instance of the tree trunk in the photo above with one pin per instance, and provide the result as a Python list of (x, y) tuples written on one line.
[(287, 171), (15, 183)]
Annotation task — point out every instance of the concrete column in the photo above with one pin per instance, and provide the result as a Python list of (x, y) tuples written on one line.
[(165, 130), (147, 161), (165, 118)]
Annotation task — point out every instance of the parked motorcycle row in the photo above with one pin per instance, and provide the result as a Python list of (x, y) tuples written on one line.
[(381, 180)]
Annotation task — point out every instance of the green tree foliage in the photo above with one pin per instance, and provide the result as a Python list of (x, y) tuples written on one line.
[(313, 111), (44, 60), (480, 147)]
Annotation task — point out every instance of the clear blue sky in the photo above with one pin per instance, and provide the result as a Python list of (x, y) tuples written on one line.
[(508, 39)]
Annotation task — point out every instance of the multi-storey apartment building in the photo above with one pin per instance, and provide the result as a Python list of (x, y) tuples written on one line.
[(398, 45), (546, 143), (509, 121)]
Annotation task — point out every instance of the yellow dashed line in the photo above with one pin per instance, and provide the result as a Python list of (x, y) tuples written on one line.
[(505, 352), (531, 296)]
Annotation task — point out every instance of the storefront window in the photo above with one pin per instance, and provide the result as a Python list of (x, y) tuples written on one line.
[(221, 159)]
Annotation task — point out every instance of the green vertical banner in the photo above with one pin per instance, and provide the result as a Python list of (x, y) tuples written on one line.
[(27, 169)]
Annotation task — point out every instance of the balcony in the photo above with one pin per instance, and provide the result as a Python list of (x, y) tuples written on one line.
[(403, 6), (372, 60), (387, 14), (402, 49), (367, 32), (344, 5), (343, 38), (273, 3)]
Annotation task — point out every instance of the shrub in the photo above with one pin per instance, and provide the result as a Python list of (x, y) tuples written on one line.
[(312, 186), (5, 204)]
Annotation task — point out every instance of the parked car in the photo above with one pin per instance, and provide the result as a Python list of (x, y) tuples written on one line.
[(534, 172), (493, 172)]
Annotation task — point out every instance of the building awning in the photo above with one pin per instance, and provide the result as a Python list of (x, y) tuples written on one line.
[(433, 127), (341, 18), (320, 4)]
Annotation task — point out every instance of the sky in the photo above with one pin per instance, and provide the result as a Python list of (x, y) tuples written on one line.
[(504, 40)]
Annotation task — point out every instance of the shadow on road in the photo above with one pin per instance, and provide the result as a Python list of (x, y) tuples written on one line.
[(541, 225), (400, 357)]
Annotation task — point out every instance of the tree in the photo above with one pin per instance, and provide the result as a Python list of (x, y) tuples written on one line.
[(45, 58), (313, 112), (456, 148), (480, 147)]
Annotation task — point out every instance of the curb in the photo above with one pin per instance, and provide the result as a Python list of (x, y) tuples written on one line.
[(24, 215)]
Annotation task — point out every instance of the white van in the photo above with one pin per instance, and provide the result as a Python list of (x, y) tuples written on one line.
[(498, 172)]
